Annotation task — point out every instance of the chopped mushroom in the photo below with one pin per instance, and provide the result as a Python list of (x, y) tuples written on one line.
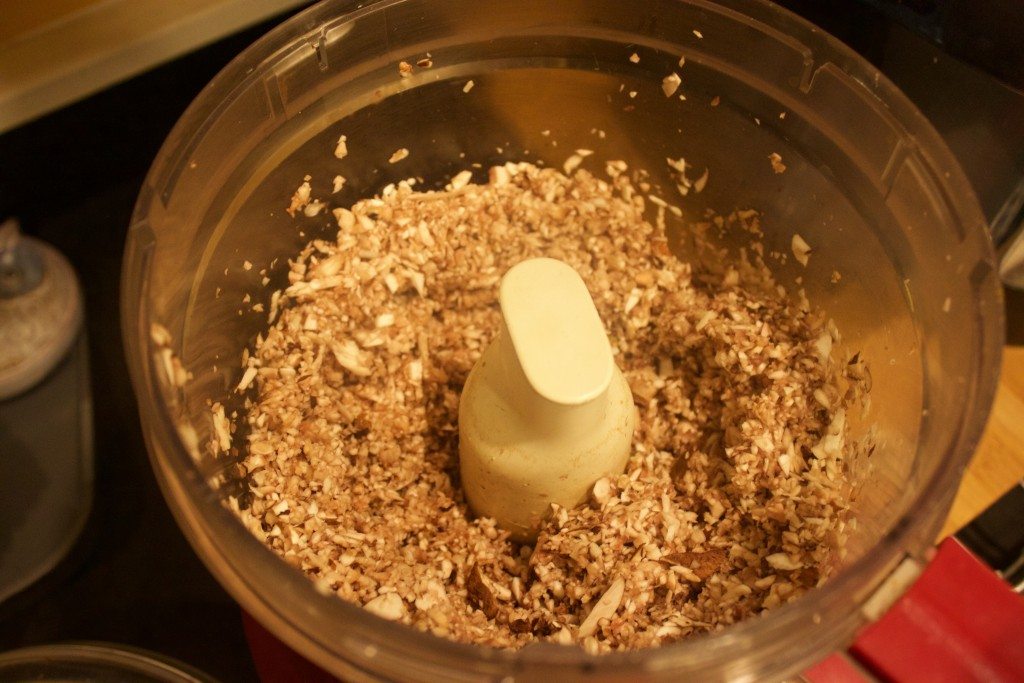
[(670, 84), (300, 198), (350, 421), (699, 183), (801, 250), (604, 609)]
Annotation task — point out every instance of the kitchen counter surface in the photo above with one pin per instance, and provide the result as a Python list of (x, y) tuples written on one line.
[(57, 51), (999, 462)]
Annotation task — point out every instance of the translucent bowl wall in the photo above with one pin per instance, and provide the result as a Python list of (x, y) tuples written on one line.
[(869, 184)]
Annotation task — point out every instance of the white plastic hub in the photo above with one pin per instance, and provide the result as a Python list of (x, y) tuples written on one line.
[(545, 412)]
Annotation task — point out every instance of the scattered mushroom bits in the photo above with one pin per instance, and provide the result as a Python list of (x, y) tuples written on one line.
[(736, 494), (313, 208), (573, 162), (801, 250), (699, 183), (670, 84), (301, 197)]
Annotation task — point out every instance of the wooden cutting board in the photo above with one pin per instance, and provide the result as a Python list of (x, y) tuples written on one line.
[(999, 462)]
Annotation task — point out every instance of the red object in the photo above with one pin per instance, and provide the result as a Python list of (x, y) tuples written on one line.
[(276, 662), (837, 668), (958, 622)]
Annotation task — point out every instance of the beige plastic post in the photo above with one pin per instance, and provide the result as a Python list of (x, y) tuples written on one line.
[(545, 412)]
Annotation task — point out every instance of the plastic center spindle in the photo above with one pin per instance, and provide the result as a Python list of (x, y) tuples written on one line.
[(545, 412)]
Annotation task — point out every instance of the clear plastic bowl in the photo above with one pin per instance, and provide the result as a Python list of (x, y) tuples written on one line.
[(869, 184), (94, 663)]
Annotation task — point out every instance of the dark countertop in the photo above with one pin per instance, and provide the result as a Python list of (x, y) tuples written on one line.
[(72, 179)]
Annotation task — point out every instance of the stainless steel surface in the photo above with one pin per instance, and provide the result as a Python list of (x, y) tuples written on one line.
[(46, 472)]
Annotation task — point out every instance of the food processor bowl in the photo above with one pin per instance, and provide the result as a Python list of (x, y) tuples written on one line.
[(900, 260)]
